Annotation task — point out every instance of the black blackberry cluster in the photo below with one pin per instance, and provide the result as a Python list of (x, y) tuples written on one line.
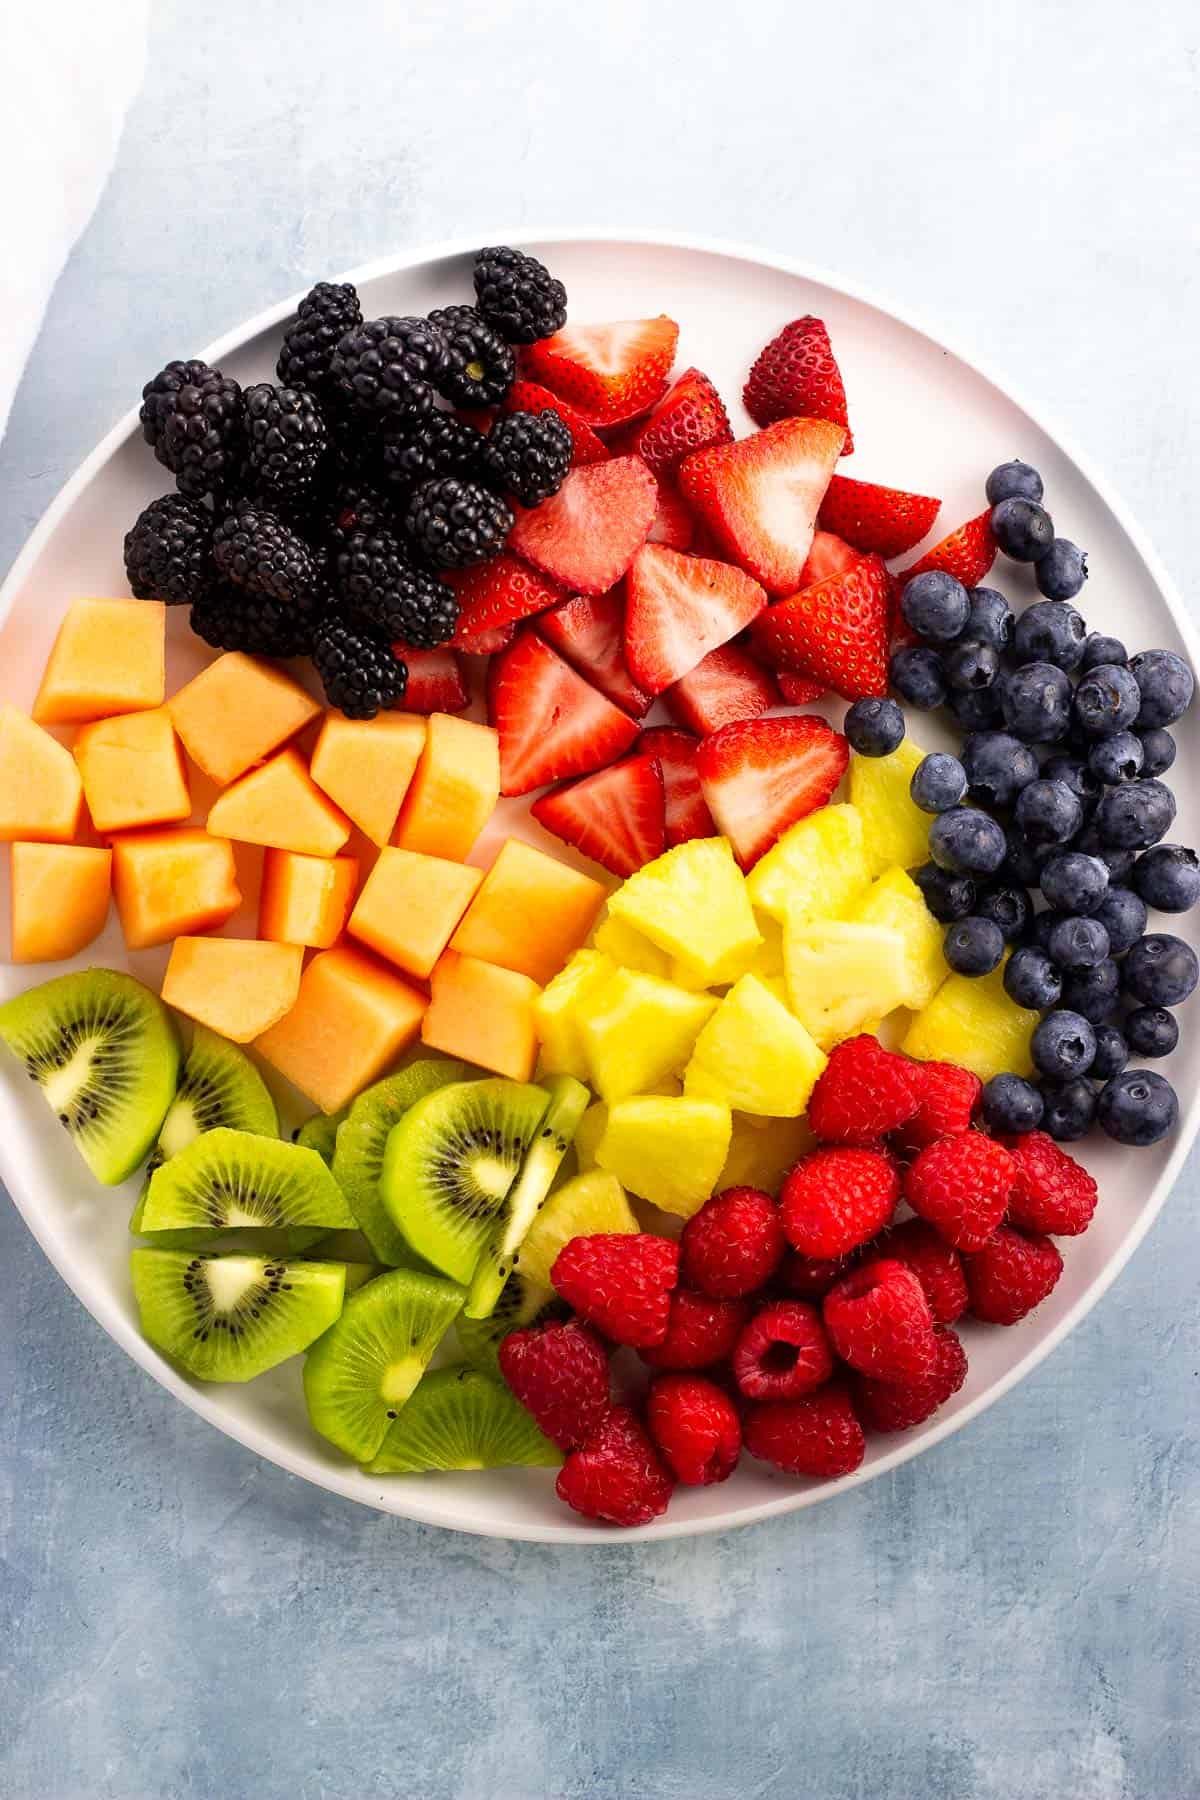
[(480, 366), (389, 368), (527, 455), (359, 673), (377, 582), (193, 417), (168, 551), (454, 523), (286, 439), (439, 444), (280, 578), (518, 295), (322, 319)]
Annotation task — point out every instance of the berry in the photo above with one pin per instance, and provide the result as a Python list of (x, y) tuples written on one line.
[(1048, 632), (1160, 970), (324, 316), (1011, 1275), (359, 672), (621, 1284), (690, 417), (796, 376), (1035, 701), (256, 551), (1051, 1191), (1158, 751), (378, 583), (527, 455), (411, 450), (967, 553), (609, 372), (759, 776), (1119, 862), (1023, 529), (880, 519), (1115, 759), (961, 1186), (1014, 480), (1107, 699), (1151, 1031), (229, 618), (700, 1331), (454, 523), (835, 1200), (918, 676), (1062, 571), (1166, 685), (1047, 812), (879, 1320), (1063, 1045), (898, 1406), (1100, 649), (818, 1435), (1075, 943), (1093, 992), (997, 767), (559, 1373), (617, 1475), (1007, 904), (935, 605), (946, 1100), (518, 296), (1137, 1107), (589, 631), (435, 681), (351, 506), (783, 1352), (168, 551), (725, 686), (389, 368), (967, 842), (695, 1427), (974, 946), (1068, 1108), (874, 727), (947, 896), (551, 723), (1074, 882), (935, 1263), (733, 1245), (588, 533), (1135, 815), (497, 593), (1079, 777), (1011, 1105), (938, 783), (286, 439), (616, 816), (679, 608), (529, 397), (686, 816), (976, 709), (1123, 915), (1112, 1053), (971, 667), (1167, 878), (479, 368), (1031, 979), (836, 631), (811, 1277), (193, 417), (863, 1092), (989, 619)]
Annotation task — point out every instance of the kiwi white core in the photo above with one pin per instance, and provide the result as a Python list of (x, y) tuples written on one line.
[(229, 1278)]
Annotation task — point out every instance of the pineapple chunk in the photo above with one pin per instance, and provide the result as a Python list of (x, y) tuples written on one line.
[(767, 961), (670, 1152), (895, 901), (763, 1151), (556, 1013), (635, 1029), (894, 830), (692, 903), (588, 1133), (593, 1202), (840, 975), (630, 950), (754, 1055), (815, 870), (971, 1021)]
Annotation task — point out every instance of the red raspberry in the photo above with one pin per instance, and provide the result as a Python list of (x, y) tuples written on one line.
[(879, 1321), (961, 1185), (835, 1200), (783, 1352), (733, 1244), (696, 1428), (700, 1331), (946, 1100), (620, 1283), (863, 1092), (617, 1476), (811, 1277), (1051, 1192), (818, 1435), (560, 1375), (896, 1406), (1011, 1275), (935, 1263)]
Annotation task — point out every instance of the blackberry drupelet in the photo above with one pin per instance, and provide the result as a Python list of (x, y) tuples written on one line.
[(194, 419), (378, 583), (358, 671), (230, 618), (286, 439), (168, 551), (389, 368), (454, 523), (270, 563), (480, 366), (518, 295), (527, 455), (352, 506), (324, 316), (416, 450)]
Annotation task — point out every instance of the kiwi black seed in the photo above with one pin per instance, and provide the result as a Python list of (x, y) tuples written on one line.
[(358, 1157), (234, 1180), (219, 1087), (228, 1318)]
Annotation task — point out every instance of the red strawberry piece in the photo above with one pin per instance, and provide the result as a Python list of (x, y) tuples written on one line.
[(759, 497), (527, 396), (885, 520), (946, 1100), (590, 632), (783, 1352), (485, 643), (725, 686), (811, 1277), (691, 416), (967, 553), (687, 815), (761, 775), (899, 1405), (935, 1263), (617, 817), (796, 376), (863, 1092), (435, 681), (1011, 1275), (1051, 1191), (621, 1283), (559, 1373), (961, 1186), (836, 632), (734, 1244), (552, 723), (610, 372), (479, 418), (799, 690), (678, 608), (835, 1200), (879, 1321), (587, 534), (701, 1331), (500, 592), (827, 555), (674, 522), (617, 1476), (695, 1427), (817, 1435)]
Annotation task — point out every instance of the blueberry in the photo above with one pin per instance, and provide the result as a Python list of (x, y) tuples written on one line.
[(1070, 1107), (966, 841), (1151, 1031), (935, 605), (1063, 1045), (947, 896), (874, 727), (1011, 1106), (1160, 970), (1158, 751), (990, 620), (1031, 979), (1166, 685), (1014, 480), (1094, 992), (1137, 1107), (1112, 1053), (1023, 861), (1062, 571), (974, 946), (1023, 529), (1075, 943), (1101, 649), (997, 766), (1078, 777), (1135, 815), (1036, 702), (938, 783), (1167, 878), (1048, 632), (1048, 812), (1107, 700), (971, 666), (976, 709), (1123, 916), (1074, 882), (1119, 861), (1115, 759), (1007, 904), (918, 677)]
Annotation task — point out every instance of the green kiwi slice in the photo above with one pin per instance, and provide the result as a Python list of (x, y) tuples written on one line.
[(218, 1085), (320, 1133), (449, 1165), (228, 1318), (234, 1181), (359, 1375), (358, 1274), (105, 1054), (522, 1302), (460, 1418), (358, 1158)]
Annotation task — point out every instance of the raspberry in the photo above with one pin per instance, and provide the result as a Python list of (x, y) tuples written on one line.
[(700, 1331), (961, 1185), (818, 1435), (811, 1277), (560, 1375), (1051, 1191), (835, 1200), (696, 1429), (1011, 1275), (946, 1099), (935, 1263), (880, 1323), (864, 1092), (620, 1284), (733, 1244), (783, 1352), (617, 1476), (897, 1406)]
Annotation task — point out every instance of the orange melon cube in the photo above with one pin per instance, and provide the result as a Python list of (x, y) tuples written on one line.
[(454, 791), (531, 914), (410, 905), (170, 883), (60, 896), (352, 1019), (41, 793), (280, 805), (109, 657), (238, 987), (132, 770), (306, 899), (484, 1014), (366, 765), (236, 712)]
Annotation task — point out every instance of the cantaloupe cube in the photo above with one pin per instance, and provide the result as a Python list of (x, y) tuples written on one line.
[(170, 883), (132, 770), (60, 896), (454, 791), (238, 987), (484, 1014), (236, 712), (280, 805), (109, 657), (306, 899), (366, 766), (531, 913), (409, 907), (41, 793), (353, 1017)]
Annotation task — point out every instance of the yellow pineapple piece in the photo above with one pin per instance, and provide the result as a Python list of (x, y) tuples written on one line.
[(763, 1151), (754, 1055), (636, 1029), (588, 1133), (815, 870), (839, 975), (692, 903), (670, 1152), (971, 1021), (556, 1013), (630, 950), (895, 900), (767, 961), (589, 1203), (894, 830)]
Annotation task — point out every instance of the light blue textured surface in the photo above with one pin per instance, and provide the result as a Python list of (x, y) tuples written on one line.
[(1014, 1614)]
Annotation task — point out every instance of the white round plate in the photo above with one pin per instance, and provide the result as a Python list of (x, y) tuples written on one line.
[(926, 418)]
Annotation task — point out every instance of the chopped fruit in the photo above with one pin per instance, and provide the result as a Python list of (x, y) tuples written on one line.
[(796, 376), (828, 555), (898, 1406), (617, 1476), (767, 961), (935, 1263), (483, 1014), (691, 416), (798, 690), (60, 896), (352, 1019), (761, 1151), (817, 1435), (551, 723), (590, 1130), (230, 1318), (695, 1427), (760, 776), (435, 681), (620, 1284), (972, 1022), (410, 906), (811, 1277), (41, 794), (132, 771), (500, 592), (635, 1029), (678, 608), (169, 884), (486, 643), (895, 831), (593, 1203), (726, 686), (960, 1186), (235, 712), (559, 1373), (557, 1009), (700, 1331), (885, 520), (630, 950), (674, 522), (759, 497), (687, 816), (947, 1098), (589, 631), (783, 1352), (967, 553), (306, 899), (366, 765), (817, 870), (238, 987), (280, 805), (617, 816), (837, 1199), (454, 791), (1011, 1274), (753, 1055), (880, 1323), (895, 900), (588, 533), (527, 396), (692, 903), (836, 632), (531, 912), (865, 1093), (608, 372), (1051, 1191), (108, 657), (667, 1151), (733, 1245), (841, 976)]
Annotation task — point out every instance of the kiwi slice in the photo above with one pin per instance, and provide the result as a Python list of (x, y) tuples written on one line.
[(104, 1052), (449, 1165), (568, 1103), (219, 1085), (460, 1418), (522, 1302), (358, 1376), (358, 1274), (358, 1159), (227, 1318), (234, 1181), (320, 1133)]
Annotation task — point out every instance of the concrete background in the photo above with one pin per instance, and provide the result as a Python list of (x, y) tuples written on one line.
[(1014, 1613)]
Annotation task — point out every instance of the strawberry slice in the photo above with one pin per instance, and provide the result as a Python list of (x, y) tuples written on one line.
[(435, 681), (610, 372), (590, 632), (588, 533), (761, 775), (968, 553), (727, 685), (674, 524), (883, 519), (678, 608), (799, 690), (615, 817), (796, 376), (760, 496), (675, 752), (500, 592), (836, 632), (828, 555), (551, 722), (691, 417), (527, 396), (484, 643)]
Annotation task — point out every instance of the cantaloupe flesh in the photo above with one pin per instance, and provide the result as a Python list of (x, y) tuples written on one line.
[(41, 792), (236, 712), (109, 657), (531, 914), (352, 1019), (454, 791), (279, 804), (484, 1014), (133, 774), (409, 907), (366, 767), (238, 987), (60, 897), (169, 884), (306, 899)]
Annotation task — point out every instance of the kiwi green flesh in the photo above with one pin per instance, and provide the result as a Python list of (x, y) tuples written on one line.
[(320, 1133), (358, 1156), (229, 1318), (256, 1240), (105, 1054), (359, 1375), (219, 1086), (522, 1302), (228, 1180), (358, 1274), (459, 1418)]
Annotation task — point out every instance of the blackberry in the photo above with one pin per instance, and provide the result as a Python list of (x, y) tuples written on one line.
[(348, 507), (358, 671), (378, 583), (193, 417), (456, 523), (480, 367), (389, 368), (518, 295), (286, 437), (528, 455), (260, 555), (416, 450), (324, 316), (168, 551), (230, 618)]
